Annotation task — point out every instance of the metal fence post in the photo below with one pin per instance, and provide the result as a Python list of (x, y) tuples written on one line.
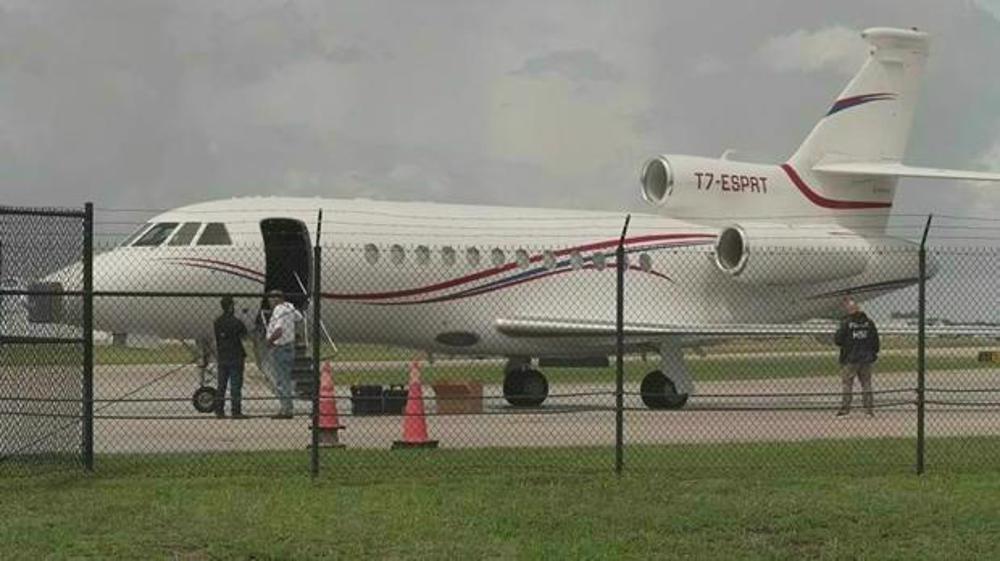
[(87, 414), (316, 341), (620, 261), (921, 346)]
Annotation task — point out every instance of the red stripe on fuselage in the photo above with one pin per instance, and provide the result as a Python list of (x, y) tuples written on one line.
[(220, 263), (237, 269), (221, 270), (820, 200), (507, 267), (487, 289)]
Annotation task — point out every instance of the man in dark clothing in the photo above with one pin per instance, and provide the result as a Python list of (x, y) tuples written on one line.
[(858, 340), (229, 334)]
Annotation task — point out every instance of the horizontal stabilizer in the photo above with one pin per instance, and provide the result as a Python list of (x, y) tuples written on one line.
[(894, 169), (539, 327)]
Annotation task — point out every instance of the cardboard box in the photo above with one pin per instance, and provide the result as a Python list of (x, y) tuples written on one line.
[(458, 397)]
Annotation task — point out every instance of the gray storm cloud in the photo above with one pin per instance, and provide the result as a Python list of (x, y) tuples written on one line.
[(158, 104), (576, 66)]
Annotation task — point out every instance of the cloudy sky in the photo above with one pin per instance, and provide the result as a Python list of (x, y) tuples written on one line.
[(158, 103)]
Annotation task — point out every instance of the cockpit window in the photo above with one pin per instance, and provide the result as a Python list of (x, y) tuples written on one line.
[(215, 234), (134, 235), (185, 234), (155, 235)]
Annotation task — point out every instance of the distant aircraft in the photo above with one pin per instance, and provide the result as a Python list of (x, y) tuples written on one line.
[(442, 278)]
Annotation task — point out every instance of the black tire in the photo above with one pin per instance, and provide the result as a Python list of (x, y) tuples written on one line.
[(659, 392), (204, 399), (525, 388)]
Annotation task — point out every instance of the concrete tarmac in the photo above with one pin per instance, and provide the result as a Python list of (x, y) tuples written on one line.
[(157, 415)]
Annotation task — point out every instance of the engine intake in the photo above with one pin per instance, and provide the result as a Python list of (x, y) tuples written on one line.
[(731, 250), (780, 255), (657, 180)]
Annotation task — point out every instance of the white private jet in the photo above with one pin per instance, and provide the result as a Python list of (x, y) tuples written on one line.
[(443, 278)]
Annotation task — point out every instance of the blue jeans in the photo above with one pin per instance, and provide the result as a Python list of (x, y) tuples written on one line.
[(230, 372), (282, 360)]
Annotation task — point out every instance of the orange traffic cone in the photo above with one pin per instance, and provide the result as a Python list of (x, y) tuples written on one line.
[(414, 422), (328, 422)]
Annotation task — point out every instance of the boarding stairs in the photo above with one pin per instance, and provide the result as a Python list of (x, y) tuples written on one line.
[(302, 369)]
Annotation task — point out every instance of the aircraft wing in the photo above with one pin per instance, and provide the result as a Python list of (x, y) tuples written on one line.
[(551, 328), (895, 169)]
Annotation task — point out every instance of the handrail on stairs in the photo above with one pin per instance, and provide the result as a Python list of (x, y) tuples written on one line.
[(322, 325)]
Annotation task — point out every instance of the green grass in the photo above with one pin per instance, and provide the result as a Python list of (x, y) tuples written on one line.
[(760, 501), (42, 355), (735, 361), (172, 353), (747, 367)]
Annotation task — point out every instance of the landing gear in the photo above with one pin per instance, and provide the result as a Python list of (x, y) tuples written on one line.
[(660, 392), (524, 386), (204, 399), (669, 386)]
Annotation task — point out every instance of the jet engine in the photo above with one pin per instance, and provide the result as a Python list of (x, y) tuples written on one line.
[(780, 255), (657, 181), (696, 186)]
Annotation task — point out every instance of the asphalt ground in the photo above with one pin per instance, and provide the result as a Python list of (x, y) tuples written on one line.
[(143, 409)]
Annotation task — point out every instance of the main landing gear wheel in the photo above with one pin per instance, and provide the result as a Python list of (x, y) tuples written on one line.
[(204, 399), (525, 388), (659, 392)]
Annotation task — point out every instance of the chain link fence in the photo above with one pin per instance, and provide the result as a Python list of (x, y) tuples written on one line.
[(512, 354), (963, 375), (44, 379)]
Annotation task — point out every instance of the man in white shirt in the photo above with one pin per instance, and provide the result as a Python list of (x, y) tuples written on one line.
[(281, 340)]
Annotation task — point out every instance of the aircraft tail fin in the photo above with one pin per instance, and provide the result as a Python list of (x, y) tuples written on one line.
[(871, 119)]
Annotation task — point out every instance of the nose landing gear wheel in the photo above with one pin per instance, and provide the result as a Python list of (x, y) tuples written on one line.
[(659, 392), (525, 388), (204, 399)]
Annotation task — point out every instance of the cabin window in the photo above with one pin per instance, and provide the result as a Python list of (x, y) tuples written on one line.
[(215, 233), (185, 233), (448, 255), (472, 256), (599, 261), (498, 257), (423, 255), (397, 254), (522, 258), (156, 235), (371, 253), (549, 259), (576, 260), (645, 262)]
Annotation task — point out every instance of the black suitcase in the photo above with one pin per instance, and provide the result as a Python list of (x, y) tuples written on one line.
[(394, 399), (366, 400)]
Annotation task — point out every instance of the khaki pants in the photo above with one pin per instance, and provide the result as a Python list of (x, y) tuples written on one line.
[(864, 374)]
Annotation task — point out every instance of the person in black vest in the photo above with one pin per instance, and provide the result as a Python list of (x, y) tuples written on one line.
[(858, 340), (229, 334)]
